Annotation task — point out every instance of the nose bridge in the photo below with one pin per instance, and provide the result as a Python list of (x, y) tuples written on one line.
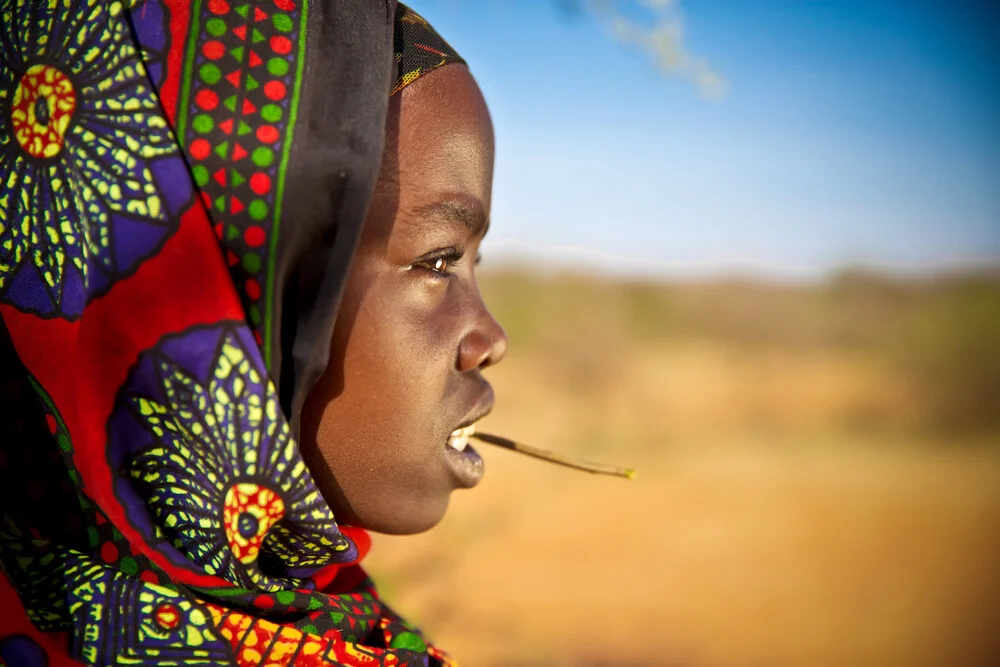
[(485, 344)]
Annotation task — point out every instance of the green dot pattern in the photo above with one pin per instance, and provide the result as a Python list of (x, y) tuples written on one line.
[(251, 262), (215, 27), (203, 123), (408, 640), (282, 22), (210, 73), (277, 66), (241, 176), (128, 565), (263, 156), (272, 113), (258, 209), (200, 174)]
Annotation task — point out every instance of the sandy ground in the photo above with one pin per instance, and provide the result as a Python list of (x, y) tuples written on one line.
[(771, 524)]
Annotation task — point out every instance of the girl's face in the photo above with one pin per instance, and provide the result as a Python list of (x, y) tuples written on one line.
[(413, 334)]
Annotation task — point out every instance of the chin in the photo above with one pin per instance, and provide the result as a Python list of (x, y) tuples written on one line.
[(406, 519)]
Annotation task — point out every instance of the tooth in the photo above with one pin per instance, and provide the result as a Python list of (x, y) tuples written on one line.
[(459, 438)]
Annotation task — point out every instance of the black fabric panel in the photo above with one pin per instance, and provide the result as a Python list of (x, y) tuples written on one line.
[(335, 160)]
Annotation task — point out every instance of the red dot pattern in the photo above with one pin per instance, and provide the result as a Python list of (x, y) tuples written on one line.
[(254, 236), (267, 133), (281, 45), (213, 50), (274, 90), (260, 183), (246, 85), (200, 148), (206, 99)]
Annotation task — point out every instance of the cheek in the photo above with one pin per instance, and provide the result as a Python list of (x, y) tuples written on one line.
[(397, 359), (379, 436), (400, 341)]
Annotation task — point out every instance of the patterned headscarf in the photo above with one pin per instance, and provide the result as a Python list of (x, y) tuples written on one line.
[(182, 187)]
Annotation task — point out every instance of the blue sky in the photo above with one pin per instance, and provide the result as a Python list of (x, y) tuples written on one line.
[(851, 132)]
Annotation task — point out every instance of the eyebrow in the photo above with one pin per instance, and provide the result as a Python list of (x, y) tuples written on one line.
[(471, 217)]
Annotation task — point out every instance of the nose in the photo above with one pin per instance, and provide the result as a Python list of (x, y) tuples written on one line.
[(483, 346)]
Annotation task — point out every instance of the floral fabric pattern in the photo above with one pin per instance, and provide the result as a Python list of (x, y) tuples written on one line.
[(222, 472), (154, 506), (87, 159)]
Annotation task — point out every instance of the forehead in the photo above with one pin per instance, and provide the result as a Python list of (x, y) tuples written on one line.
[(444, 141), (465, 212)]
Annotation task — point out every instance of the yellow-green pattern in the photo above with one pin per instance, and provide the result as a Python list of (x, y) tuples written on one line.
[(120, 620), (86, 156), (223, 475)]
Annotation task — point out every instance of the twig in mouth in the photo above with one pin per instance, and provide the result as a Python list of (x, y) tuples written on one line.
[(552, 457)]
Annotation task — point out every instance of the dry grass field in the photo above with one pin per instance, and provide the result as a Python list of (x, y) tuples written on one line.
[(818, 480)]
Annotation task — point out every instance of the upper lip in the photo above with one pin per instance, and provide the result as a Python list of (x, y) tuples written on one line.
[(482, 409)]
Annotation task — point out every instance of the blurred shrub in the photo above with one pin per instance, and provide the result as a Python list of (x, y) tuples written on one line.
[(950, 347), (941, 336)]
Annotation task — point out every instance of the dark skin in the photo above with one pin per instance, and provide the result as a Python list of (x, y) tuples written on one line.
[(413, 334)]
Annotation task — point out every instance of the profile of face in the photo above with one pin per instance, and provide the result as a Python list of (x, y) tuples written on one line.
[(413, 335)]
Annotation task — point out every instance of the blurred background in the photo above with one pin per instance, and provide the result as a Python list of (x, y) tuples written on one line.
[(751, 249)]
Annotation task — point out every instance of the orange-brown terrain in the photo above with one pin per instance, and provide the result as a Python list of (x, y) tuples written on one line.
[(818, 480)]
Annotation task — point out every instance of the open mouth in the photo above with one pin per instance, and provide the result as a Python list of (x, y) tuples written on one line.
[(465, 462), (459, 438)]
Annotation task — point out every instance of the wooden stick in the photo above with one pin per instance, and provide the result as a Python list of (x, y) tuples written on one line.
[(552, 457)]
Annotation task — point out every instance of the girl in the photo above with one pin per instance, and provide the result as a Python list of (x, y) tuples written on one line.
[(237, 250)]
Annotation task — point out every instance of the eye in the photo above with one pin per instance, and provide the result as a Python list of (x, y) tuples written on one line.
[(440, 263)]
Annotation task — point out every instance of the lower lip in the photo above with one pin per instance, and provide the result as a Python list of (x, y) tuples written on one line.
[(466, 465)]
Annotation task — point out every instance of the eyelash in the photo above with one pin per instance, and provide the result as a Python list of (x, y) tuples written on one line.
[(448, 256)]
